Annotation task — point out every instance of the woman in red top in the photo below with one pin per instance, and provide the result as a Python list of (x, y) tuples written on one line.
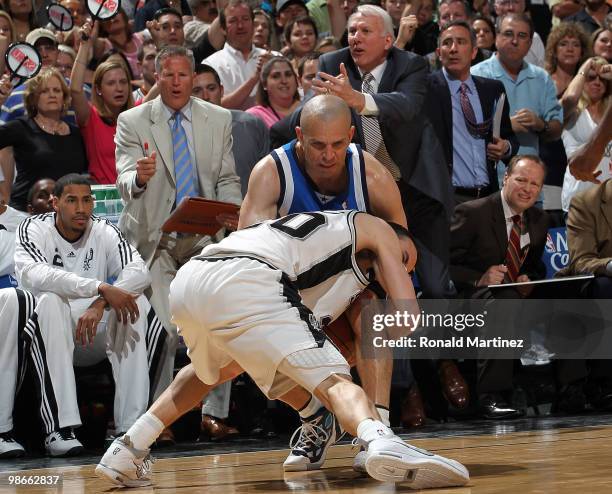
[(110, 95)]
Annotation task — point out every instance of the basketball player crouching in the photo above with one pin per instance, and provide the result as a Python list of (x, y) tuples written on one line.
[(276, 279)]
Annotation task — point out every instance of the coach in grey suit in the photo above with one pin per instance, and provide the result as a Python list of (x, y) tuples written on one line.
[(146, 174)]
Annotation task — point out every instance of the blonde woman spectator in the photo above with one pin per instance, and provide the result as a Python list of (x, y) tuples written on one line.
[(595, 93), (43, 145), (111, 94)]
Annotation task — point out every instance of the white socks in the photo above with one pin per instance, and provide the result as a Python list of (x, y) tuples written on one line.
[(369, 429), (384, 415), (145, 431), (313, 406)]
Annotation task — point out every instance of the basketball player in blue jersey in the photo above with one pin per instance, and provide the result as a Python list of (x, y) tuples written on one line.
[(322, 170), (266, 289)]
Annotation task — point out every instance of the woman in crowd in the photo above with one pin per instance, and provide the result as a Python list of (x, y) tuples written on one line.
[(594, 94), (277, 93), (300, 36), (7, 29), (485, 32), (567, 47), (118, 35), (22, 14), (262, 29), (43, 145), (602, 43), (111, 94)]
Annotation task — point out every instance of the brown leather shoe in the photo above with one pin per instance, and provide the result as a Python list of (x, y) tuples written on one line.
[(413, 412), (166, 439), (215, 429), (454, 387)]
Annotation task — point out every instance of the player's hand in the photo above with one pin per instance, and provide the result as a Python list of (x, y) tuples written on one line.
[(493, 276), (87, 325), (122, 301), (497, 149), (145, 169)]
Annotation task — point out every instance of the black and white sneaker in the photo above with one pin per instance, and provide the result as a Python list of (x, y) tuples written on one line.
[(310, 441), (9, 447), (63, 443)]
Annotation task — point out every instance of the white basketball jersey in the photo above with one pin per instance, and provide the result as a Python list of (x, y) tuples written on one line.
[(100, 254), (315, 250)]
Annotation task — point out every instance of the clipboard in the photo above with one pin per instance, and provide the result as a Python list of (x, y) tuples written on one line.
[(563, 279), (198, 215), (497, 117)]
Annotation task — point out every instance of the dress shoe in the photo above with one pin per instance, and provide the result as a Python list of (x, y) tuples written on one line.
[(570, 399), (454, 387), (413, 411), (493, 407), (215, 429), (166, 439)]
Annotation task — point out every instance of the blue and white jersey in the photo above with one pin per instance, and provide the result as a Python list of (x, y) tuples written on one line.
[(297, 194)]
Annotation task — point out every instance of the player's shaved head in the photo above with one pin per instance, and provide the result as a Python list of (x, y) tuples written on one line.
[(322, 109)]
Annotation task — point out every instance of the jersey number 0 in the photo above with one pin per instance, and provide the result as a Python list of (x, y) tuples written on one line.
[(300, 225)]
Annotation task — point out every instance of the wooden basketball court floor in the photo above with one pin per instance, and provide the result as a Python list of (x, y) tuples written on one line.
[(568, 459)]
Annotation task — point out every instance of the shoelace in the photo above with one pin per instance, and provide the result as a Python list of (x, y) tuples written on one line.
[(359, 444), (7, 437), (67, 434), (145, 467), (308, 434)]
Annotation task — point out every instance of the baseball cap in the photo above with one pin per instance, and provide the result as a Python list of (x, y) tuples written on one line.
[(38, 34), (281, 4)]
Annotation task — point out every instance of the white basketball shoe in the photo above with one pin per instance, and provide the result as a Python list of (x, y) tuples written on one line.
[(124, 465)]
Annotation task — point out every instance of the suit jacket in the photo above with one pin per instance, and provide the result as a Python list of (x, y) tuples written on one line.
[(438, 106), (479, 240), (146, 211), (589, 230)]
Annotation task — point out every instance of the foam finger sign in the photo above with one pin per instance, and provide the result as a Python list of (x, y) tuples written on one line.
[(60, 17), (103, 9), (23, 60)]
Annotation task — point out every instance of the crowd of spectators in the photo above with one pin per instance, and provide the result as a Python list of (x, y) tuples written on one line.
[(140, 101)]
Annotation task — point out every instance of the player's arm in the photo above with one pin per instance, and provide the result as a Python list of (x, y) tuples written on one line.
[(385, 198), (36, 273), (262, 196), (376, 236), (124, 262)]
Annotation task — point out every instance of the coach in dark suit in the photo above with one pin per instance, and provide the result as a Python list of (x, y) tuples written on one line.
[(385, 88), (494, 240), (461, 109)]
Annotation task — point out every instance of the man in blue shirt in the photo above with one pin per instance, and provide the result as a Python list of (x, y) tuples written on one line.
[(534, 109), (461, 109)]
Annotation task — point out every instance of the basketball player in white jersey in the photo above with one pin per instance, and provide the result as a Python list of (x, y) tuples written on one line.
[(322, 170), (68, 260), (266, 289)]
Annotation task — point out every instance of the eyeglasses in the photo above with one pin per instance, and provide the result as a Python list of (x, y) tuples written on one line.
[(522, 36)]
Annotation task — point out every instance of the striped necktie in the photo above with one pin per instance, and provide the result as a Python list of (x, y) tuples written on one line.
[(476, 130), (374, 142), (183, 165), (514, 255)]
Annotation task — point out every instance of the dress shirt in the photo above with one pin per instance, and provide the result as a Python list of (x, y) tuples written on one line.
[(234, 70), (533, 89), (469, 154)]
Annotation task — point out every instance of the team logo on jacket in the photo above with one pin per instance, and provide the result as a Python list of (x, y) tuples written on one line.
[(314, 322), (87, 260)]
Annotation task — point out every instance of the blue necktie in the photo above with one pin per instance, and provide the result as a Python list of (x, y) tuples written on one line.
[(183, 166)]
